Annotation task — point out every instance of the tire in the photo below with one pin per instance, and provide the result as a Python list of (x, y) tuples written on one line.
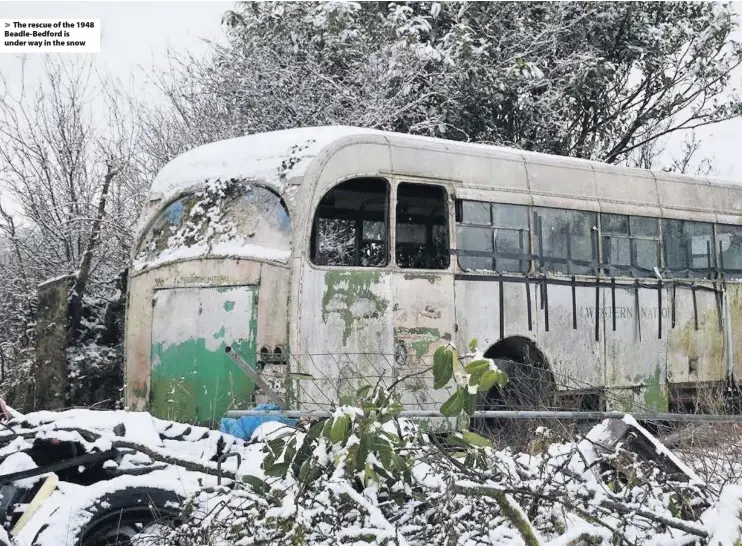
[(116, 518)]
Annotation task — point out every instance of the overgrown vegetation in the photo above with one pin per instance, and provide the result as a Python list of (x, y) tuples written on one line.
[(366, 476)]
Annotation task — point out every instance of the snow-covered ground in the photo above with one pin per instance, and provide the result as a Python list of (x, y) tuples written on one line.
[(354, 480)]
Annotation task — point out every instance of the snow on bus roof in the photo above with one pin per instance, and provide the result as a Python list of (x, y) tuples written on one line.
[(260, 156), (277, 156)]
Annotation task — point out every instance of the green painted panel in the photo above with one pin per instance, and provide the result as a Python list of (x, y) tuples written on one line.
[(193, 380)]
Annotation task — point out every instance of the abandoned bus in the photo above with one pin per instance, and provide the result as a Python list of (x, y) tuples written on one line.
[(333, 256)]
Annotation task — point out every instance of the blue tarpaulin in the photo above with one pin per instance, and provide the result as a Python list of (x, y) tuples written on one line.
[(245, 426)]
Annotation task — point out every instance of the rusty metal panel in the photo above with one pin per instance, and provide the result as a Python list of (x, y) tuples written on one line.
[(345, 334), (273, 312), (575, 357), (423, 320), (635, 354), (192, 378), (138, 341), (695, 355)]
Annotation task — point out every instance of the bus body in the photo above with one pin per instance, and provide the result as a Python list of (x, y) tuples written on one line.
[(331, 257)]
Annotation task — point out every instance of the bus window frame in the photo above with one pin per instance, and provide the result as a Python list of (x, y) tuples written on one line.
[(612, 270), (692, 273), (447, 201), (539, 258), (308, 251), (458, 204)]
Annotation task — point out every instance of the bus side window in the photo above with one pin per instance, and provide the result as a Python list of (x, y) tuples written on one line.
[(729, 241), (689, 249), (422, 227), (492, 237), (350, 225), (631, 244), (566, 241)]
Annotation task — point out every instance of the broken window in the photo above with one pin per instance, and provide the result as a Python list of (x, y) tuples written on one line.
[(689, 248), (165, 226), (422, 227), (350, 225), (729, 244), (492, 237), (224, 219), (631, 245), (566, 241)]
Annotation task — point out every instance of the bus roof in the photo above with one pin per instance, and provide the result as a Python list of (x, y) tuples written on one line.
[(281, 158), (274, 158), (278, 156)]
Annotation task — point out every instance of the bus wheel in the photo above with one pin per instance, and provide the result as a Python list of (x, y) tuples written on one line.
[(530, 385)]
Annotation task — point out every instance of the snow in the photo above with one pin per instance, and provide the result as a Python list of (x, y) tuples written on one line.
[(559, 470), (226, 249), (70, 504), (723, 519), (18, 462), (268, 430), (262, 157), (138, 427)]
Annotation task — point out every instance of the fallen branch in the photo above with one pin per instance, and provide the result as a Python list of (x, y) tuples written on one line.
[(675, 523), (508, 507)]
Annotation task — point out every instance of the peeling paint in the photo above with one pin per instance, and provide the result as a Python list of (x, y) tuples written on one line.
[(655, 393), (192, 384), (349, 294), (192, 378), (419, 339), (706, 344), (432, 279)]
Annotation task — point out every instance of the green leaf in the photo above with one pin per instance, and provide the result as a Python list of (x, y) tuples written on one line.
[(452, 406), (370, 474), (442, 367), (290, 450), (470, 403), (315, 430), (278, 470), (473, 344), (276, 446), (488, 380), (456, 440), (476, 365), (363, 391), (258, 485), (394, 409), (326, 428), (476, 375), (304, 471), (476, 440), (340, 429), (383, 447), (363, 449)]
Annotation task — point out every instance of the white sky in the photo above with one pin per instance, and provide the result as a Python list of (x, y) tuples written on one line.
[(136, 35)]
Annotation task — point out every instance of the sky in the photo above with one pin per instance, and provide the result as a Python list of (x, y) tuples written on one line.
[(136, 36)]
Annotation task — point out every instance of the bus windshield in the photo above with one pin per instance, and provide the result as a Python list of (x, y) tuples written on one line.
[(229, 219)]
